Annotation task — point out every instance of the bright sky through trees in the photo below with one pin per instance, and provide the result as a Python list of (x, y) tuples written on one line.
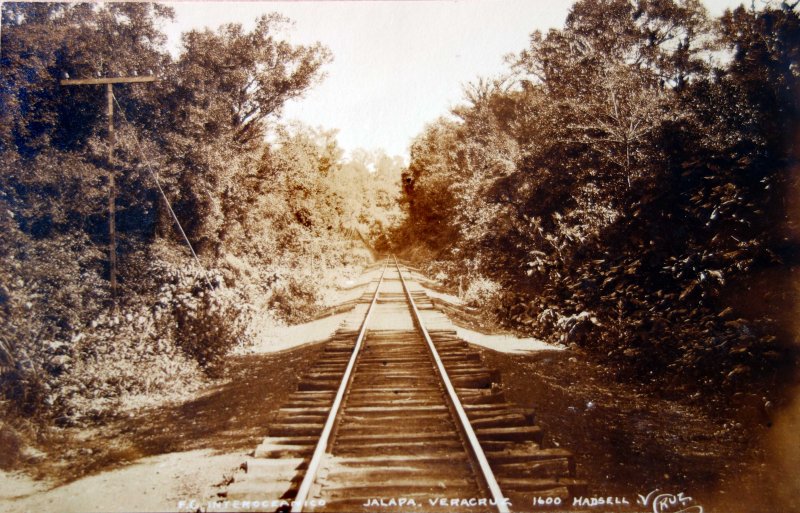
[(397, 65)]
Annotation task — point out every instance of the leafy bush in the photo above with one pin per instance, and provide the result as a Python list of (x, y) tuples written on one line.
[(482, 292), (200, 314), (114, 360)]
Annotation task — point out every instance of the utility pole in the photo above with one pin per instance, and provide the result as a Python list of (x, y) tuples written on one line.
[(112, 192)]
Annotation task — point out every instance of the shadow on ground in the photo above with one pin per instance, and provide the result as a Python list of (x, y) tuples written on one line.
[(231, 416), (628, 443)]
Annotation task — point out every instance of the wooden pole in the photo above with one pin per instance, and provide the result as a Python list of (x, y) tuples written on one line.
[(107, 80), (112, 191), (112, 198)]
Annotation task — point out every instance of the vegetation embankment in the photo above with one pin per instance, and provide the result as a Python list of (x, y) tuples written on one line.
[(274, 224), (630, 187)]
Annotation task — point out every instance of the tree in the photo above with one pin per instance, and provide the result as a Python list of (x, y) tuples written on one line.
[(428, 183), (199, 130), (370, 185), (226, 86), (230, 82), (41, 42), (630, 197)]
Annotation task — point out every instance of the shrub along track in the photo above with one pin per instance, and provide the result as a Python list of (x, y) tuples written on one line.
[(392, 413)]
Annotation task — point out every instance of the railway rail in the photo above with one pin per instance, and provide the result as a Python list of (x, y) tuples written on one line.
[(394, 416)]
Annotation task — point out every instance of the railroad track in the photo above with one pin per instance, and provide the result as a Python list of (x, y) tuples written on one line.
[(396, 417)]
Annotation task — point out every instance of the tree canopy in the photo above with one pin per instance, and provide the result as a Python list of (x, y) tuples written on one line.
[(628, 185), (271, 222)]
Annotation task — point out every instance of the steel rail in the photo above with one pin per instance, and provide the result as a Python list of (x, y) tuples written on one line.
[(322, 444), (472, 438)]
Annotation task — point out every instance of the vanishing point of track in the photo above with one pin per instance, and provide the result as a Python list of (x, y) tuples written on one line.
[(398, 417)]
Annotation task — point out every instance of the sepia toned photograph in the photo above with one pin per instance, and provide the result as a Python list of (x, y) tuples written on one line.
[(431, 256)]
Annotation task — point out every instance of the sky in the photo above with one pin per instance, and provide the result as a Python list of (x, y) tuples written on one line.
[(398, 65)]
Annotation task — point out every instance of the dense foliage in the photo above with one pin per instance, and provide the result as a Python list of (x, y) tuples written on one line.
[(630, 187), (268, 221)]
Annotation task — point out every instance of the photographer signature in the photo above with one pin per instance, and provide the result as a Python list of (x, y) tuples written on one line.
[(669, 502)]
